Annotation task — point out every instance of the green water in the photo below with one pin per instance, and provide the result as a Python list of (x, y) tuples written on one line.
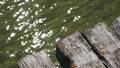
[(27, 27)]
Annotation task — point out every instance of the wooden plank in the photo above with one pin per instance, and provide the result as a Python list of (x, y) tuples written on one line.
[(63, 59), (79, 52), (105, 42), (37, 60), (116, 26)]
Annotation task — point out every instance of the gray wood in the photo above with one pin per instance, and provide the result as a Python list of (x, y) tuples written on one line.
[(105, 42), (37, 60), (79, 52), (116, 26)]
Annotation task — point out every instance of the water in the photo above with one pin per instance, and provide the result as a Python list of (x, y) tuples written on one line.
[(39, 24)]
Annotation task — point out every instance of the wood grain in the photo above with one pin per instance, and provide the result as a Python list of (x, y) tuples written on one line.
[(116, 26), (79, 52), (104, 41), (37, 60)]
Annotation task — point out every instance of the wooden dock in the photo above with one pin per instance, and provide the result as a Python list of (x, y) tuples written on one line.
[(96, 47)]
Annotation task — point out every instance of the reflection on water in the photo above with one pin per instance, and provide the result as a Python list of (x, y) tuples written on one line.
[(29, 26)]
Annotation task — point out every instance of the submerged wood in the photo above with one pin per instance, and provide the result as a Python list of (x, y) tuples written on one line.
[(106, 43), (79, 52), (37, 60), (116, 26)]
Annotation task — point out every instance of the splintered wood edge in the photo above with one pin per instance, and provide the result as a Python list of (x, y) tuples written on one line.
[(68, 46), (37, 60)]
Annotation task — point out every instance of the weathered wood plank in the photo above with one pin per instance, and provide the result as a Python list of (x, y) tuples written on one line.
[(105, 42), (79, 52), (37, 60), (116, 26), (63, 59)]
